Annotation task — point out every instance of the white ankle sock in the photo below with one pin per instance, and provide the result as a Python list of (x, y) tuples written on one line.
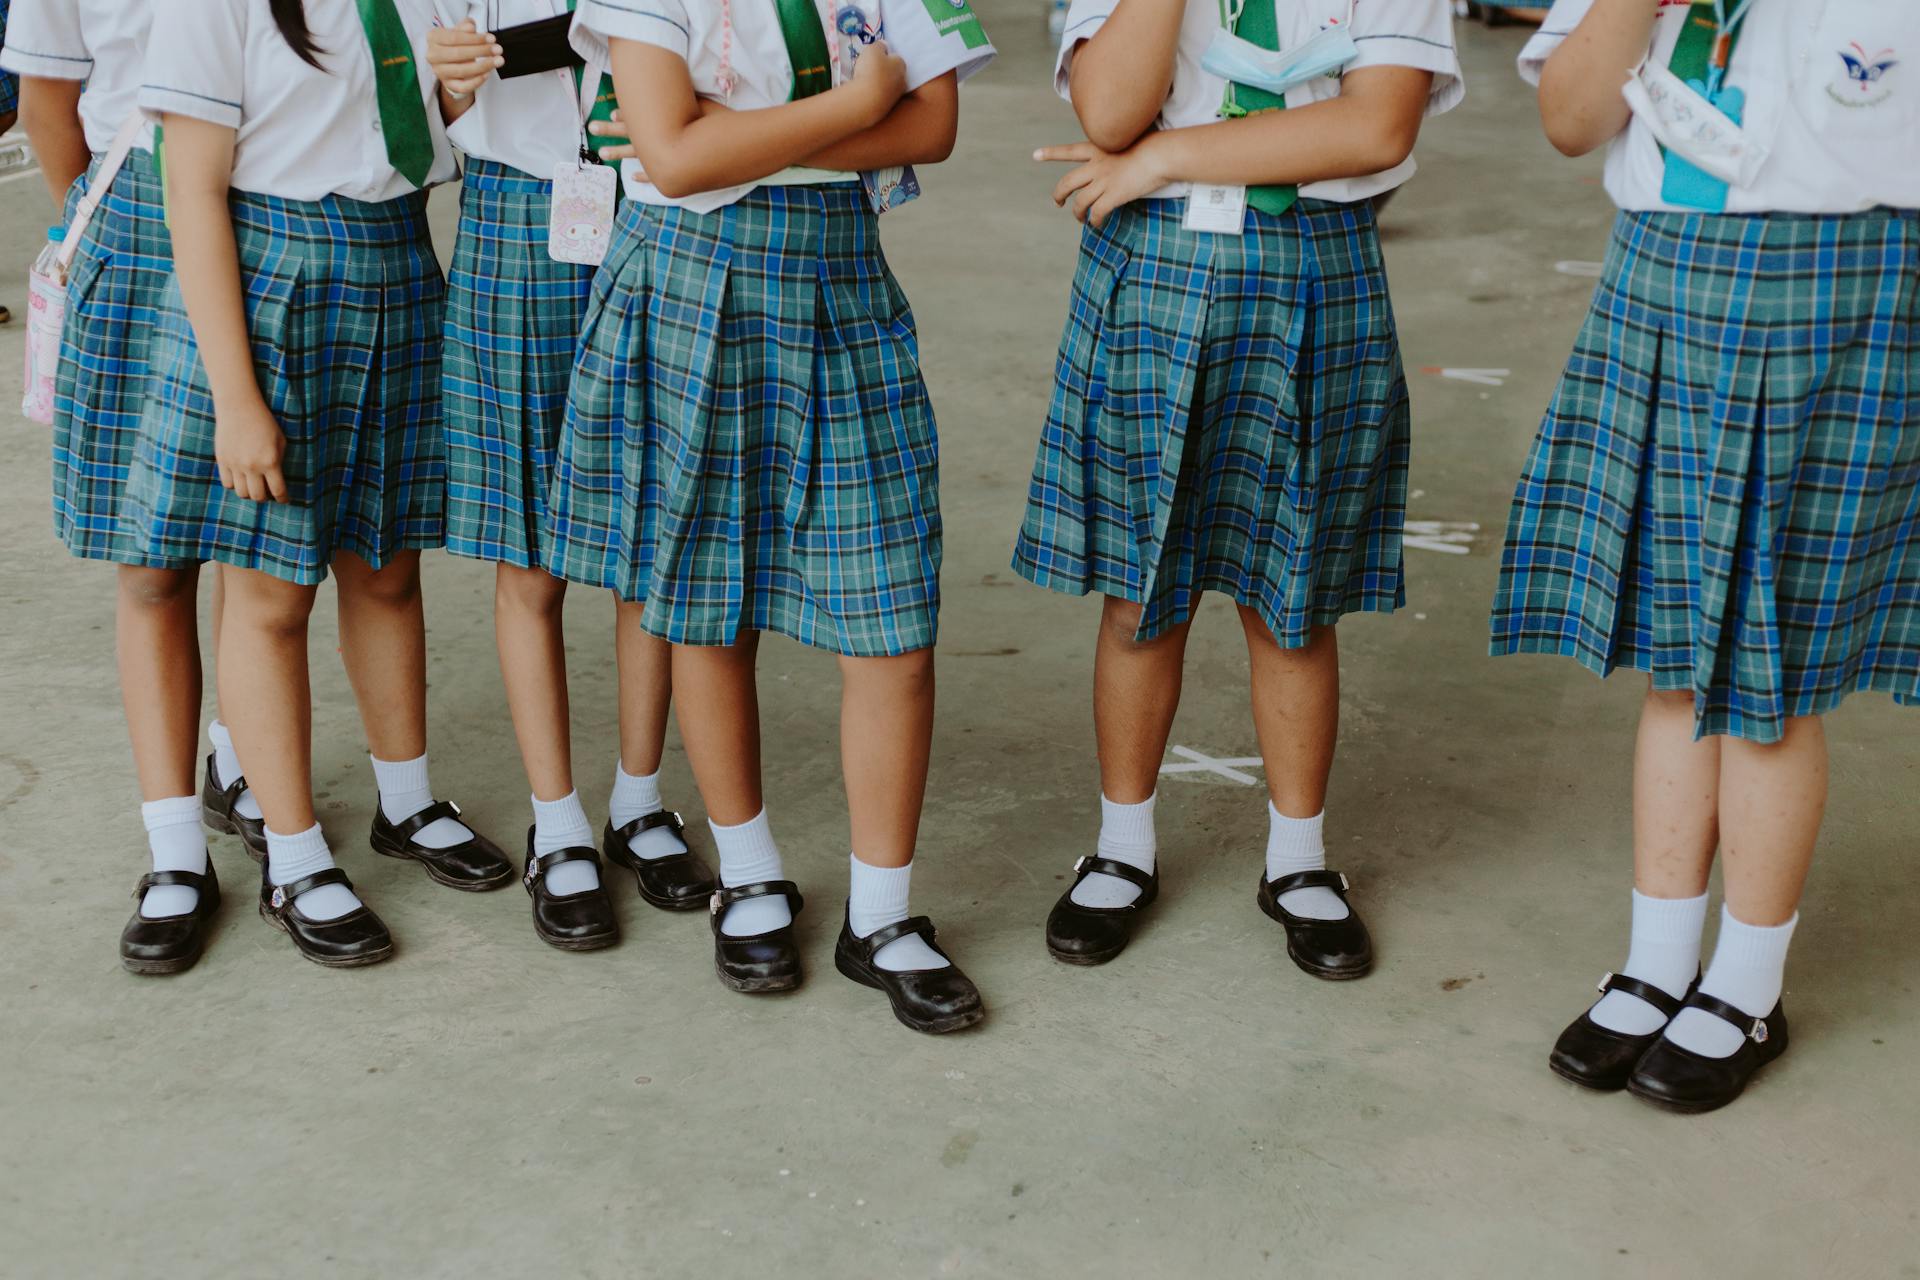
[(1296, 844), (562, 824), (748, 856), (226, 767), (876, 898), (177, 843), (1126, 835), (295, 857), (405, 791), (636, 797), (1665, 951), (1749, 970)]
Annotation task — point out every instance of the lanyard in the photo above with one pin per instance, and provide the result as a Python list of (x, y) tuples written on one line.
[(1725, 29), (1230, 11)]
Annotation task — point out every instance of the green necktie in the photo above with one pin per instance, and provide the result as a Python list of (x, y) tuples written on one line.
[(806, 47), (604, 103), (403, 109), (1693, 55), (1261, 26)]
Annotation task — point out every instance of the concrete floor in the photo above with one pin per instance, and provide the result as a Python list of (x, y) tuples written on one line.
[(486, 1106)]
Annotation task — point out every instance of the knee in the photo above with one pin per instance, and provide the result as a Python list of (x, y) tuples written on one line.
[(396, 586), (533, 592), (267, 606), (158, 588), (1120, 621), (1671, 701)]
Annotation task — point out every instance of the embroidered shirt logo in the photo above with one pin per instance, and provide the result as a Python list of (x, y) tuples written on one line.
[(1866, 83)]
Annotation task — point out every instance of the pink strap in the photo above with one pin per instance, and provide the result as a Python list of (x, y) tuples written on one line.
[(97, 189)]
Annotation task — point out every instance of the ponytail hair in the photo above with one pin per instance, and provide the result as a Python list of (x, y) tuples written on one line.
[(291, 17)]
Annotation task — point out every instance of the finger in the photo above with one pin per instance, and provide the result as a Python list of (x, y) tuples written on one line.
[(276, 484), (622, 151), (469, 68), (242, 484), (465, 88), (1083, 203), (1072, 153), (1075, 179), (616, 117), (1102, 210), (226, 475)]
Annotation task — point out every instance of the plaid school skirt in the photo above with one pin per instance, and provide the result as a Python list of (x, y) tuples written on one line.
[(748, 443), (1229, 414), (114, 288), (345, 305), (513, 325), (1725, 493)]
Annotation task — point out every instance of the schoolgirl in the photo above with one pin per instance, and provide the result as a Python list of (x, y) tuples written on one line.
[(1229, 412), (292, 425), (1725, 494), (513, 322), (81, 63), (749, 445)]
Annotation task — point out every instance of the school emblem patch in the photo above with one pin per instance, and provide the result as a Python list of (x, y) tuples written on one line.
[(1866, 83)]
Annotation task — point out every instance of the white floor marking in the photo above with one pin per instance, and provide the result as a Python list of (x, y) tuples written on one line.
[(1485, 377), (1576, 267), (1448, 537), (1227, 767)]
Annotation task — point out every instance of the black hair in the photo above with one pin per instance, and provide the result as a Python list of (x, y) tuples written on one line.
[(291, 17)]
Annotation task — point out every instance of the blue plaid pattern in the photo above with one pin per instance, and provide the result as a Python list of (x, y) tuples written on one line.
[(1229, 414), (345, 305), (748, 442), (119, 274), (1725, 493), (9, 84), (513, 326)]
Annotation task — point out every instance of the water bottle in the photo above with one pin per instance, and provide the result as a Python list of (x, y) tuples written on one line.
[(1057, 18), (46, 316), (46, 263)]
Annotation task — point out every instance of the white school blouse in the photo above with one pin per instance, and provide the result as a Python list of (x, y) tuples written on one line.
[(1389, 33), (531, 123), (99, 42), (304, 133), (931, 36), (1833, 90)]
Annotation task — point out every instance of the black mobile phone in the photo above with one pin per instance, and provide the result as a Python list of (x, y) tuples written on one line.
[(533, 47)]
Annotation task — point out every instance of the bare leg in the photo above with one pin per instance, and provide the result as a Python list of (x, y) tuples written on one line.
[(1296, 713), (719, 711), (886, 737), (1136, 691), (263, 680), (383, 643), (646, 691), (157, 640), (533, 666)]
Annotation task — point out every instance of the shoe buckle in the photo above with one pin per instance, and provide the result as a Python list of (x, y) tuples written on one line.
[(713, 904), (678, 821), (1078, 863), (1343, 881), (532, 874), (455, 806), (1606, 981), (278, 900), (1759, 1032)]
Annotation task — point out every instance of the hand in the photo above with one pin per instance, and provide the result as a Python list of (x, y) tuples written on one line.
[(248, 446), (462, 57), (881, 75), (1100, 181), (614, 127)]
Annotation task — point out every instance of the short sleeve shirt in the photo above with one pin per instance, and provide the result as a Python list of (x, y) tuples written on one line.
[(1832, 89), (98, 42)]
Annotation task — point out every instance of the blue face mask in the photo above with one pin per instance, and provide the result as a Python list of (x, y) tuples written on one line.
[(1239, 62)]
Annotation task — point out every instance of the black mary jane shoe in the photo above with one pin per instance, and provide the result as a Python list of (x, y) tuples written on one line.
[(474, 865), (1095, 935), (935, 1001), (1598, 1057), (1682, 1080), (348, 942), (217, 811), (1336, 950), (675, 882), (581, 921), (170, 944), (759, 963)]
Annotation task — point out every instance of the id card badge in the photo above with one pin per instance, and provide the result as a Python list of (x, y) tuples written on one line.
[(1216, 208), (890, 188), (580, 223)]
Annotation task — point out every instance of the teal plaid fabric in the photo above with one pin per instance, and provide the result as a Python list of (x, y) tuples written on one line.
[(120, 273), (748, 443), (1229, 414), (513, 325), (9, 83), (1725, 493), (345, 306)]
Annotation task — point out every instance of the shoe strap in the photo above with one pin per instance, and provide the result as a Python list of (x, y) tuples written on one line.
[(427, 817), (922, 925), (229, 794), (1653, 995), (283, 896), (191, 879), (1334, 880), (1091, 864), (538, 864), (1754, 1029), (651, 821), (725, 897)]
